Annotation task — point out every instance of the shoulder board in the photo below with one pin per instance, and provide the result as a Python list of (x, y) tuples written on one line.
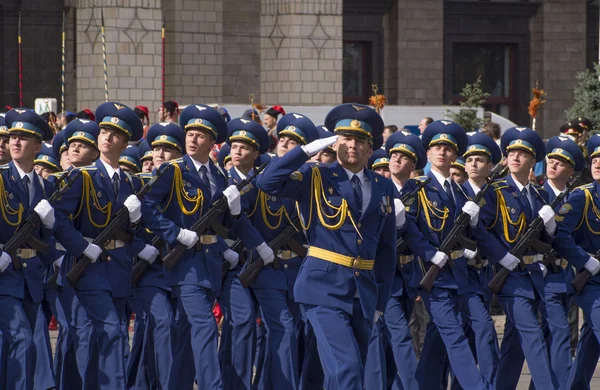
[(88, 168), (58, 174), (419, 178), (498, 185), (176, 161), (585, 186), (4, 166), (144, 175), (539, 188)]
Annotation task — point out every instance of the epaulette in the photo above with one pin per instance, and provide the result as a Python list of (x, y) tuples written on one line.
[(537, 187), (176, 161), (143, 175), (500, 184), (420, 178), (4, 166), (585, 186), (88, 168)]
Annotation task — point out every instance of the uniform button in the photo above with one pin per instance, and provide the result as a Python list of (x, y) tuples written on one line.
[(359, 242), (25, 265), (357, 273), (108, 258), (358, 226), (207, 251), (285, 266)]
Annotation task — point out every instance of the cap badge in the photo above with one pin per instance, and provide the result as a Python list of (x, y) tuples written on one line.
[(355, 124)]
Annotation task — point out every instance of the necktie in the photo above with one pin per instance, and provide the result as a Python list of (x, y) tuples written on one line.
[(528, 209), (27, 192), (205, 181), (115, 183), (357, 187), (449, 192)]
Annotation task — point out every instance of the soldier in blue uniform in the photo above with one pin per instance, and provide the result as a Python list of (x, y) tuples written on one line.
[(224, 157), (482, 154), (129, 160), (348, 212), (406, 155), (179, 197), (327, 155), (60, 149), (145, 156), (379, 163), (86, 209), (440, 202), (4, 152), (23, 192), (458, 170), (577, 241), (511, 205)]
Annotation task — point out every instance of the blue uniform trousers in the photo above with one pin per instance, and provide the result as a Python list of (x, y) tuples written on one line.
[(342, 342), (523, 339), (197, 333), (137, 371), (444, 307), (281, 362), (586, 359), (65, 361), (238, 339), (108, 333), (311, 372), (16, 333), (44, 374), (260, 354)]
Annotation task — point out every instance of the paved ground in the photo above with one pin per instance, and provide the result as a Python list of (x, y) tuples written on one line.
[(499, 320)]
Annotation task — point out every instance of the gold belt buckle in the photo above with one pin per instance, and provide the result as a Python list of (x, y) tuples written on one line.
[(356, 263), (206, 239), (110, 245), (564, 263), (285, 254), (25, 253)]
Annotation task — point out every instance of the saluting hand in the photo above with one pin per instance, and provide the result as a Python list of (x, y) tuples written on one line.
[(316, 146)]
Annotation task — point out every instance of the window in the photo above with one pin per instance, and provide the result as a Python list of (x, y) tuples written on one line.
[(356, 79), (494, 62)]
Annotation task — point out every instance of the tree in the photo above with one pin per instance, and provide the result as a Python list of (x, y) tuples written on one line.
[(587, 96), (474, 97)]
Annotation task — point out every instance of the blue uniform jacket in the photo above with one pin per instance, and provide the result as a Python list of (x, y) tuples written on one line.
[(578, 220), (502, 220), (83, 212), (15, 208), (322, 192)]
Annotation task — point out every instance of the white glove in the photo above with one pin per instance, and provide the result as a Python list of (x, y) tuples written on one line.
[(187, 237), (265, 253), (472, 209), (509, 262), (134, 206), (469, 254), (233, 199), (544, 270), (316, 146), (46, 213), (232, 258), (400, 213), (58, 262), (547, 215), (92, 252), (5, 260), (592, 265), (377, 316), (439, 259), (149, 253)]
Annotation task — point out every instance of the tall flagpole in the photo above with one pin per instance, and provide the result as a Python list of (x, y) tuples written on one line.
[(163, 67), (104, 56), (62, 74), (20, 54)]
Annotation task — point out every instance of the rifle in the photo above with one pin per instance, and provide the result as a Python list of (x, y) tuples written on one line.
[(400, 242), (529, 239), (237, 247), (24, 235), (456, 233), (141, 267), (110, 231), (283, 238), (204, 223), (583, 277)]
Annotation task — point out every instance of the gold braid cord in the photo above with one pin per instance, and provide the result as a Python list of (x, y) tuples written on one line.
[(8, 211), (181, 194)]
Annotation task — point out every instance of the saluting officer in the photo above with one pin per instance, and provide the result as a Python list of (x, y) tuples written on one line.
[(345, 281), (507, 212), (23, 192)]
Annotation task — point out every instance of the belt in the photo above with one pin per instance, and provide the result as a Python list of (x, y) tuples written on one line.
[(562, 263), (405, 259), (346, 261), (207, 239), (112, 244), (24, 253), (287, 254), (457, 254), (473, 263), (532, 259)]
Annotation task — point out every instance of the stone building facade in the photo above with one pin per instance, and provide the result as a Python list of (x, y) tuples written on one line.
[(300, 52)]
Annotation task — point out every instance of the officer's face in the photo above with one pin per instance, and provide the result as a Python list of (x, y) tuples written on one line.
[(81, 154), (595, 168), (441, 156), (559, 170), (269, 121), (353, 151), (161, 153), (242, 154), (228, 165), (65, 163), (23, 147), (401, 164), (111, 141), (199, 144), (478, 167), (4, 152), (285, 144), (42, 171), (520, 161), (383, 171), (324, 156), (128, 169), (147, 166), (458, 175)]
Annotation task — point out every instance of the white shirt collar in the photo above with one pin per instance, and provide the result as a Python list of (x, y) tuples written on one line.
[(198, 164), (521, 186), (398, 187), (240, 173), (361, 175), (441, 179), (474, 186), (110, 170), (22, 173), (556, 190)]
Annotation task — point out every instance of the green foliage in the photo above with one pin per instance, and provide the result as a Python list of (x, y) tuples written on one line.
[(474, 97), (586, 96)]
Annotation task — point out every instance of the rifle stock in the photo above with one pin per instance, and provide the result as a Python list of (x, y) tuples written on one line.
[(582, 277), (200, 226), (456, 237)]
